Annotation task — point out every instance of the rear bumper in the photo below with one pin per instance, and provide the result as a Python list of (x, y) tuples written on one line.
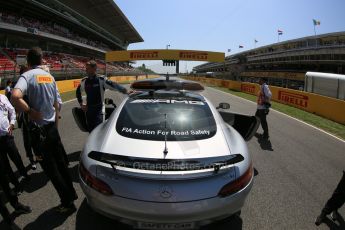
[(200, 212)]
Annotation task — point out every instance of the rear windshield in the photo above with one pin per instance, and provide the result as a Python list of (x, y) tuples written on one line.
[(157, 119)]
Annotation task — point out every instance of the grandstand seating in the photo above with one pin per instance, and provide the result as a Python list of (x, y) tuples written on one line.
[(49, 27), (53, 61), (5, 63), (59, 62), (70, 35)]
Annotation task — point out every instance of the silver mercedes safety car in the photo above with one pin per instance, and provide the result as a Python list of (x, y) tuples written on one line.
[(166, 158)]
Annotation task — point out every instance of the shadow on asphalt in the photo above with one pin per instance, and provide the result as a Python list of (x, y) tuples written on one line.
[(3, 226), (89, 219), (234, 223), (39, 180), (74, 173), (50, 219), (256, 172), (13, 216), (264, 143)]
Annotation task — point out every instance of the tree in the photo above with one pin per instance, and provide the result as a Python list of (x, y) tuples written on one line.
[(143, 68)]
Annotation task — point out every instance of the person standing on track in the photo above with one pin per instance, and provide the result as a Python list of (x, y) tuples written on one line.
[(11, 197), (8, 146), (94, 87), (334, 203), (42, 108), (8, 90), (23, 125), (263, 105)]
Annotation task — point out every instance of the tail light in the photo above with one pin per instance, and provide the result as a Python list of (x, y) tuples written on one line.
[(94, 182), (238, 184)]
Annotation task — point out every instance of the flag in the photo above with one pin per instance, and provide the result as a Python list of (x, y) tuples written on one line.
[(316, 22), (240, 46), (256, 41), (229, 50), (280, 32)]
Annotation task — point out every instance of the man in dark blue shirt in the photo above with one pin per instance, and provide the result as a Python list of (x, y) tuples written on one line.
[(94, 86)]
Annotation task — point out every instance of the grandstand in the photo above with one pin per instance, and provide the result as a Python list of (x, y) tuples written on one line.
[(284, 63), (70, 33)]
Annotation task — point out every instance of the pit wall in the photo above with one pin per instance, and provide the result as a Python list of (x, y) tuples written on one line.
[(70, 85), (327, 107)]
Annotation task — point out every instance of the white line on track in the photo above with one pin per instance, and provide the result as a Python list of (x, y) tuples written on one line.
[(229, 94), (65, 102)]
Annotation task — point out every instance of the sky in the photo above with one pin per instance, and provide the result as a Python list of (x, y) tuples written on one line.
[(219, 25)]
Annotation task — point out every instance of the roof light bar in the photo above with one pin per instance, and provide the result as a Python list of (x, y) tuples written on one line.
[(167, 85)]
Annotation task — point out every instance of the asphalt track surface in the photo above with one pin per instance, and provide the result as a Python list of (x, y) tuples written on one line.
[(296, 172)]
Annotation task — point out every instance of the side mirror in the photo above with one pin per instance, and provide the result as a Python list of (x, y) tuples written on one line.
[(109, 101), (223, 105)]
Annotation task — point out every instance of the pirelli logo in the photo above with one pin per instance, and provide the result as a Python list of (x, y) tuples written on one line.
[(194, 56), (293, 98), (248, 88), (143, 55), (44, 79), (76, 83), (164, 54)]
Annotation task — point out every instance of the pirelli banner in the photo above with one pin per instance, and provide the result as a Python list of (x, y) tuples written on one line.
[(70, 85), (280, 75), (184, 55), (330, 108)]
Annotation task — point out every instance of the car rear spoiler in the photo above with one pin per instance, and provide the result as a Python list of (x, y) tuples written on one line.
[(215, 163)]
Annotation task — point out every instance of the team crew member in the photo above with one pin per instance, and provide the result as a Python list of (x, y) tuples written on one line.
[(7, 121), (61, 147), (23, 125), (94, 86), (8, 89), (263, 104), (23, 122), (43, 110), (8, 146), (11, 197)]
